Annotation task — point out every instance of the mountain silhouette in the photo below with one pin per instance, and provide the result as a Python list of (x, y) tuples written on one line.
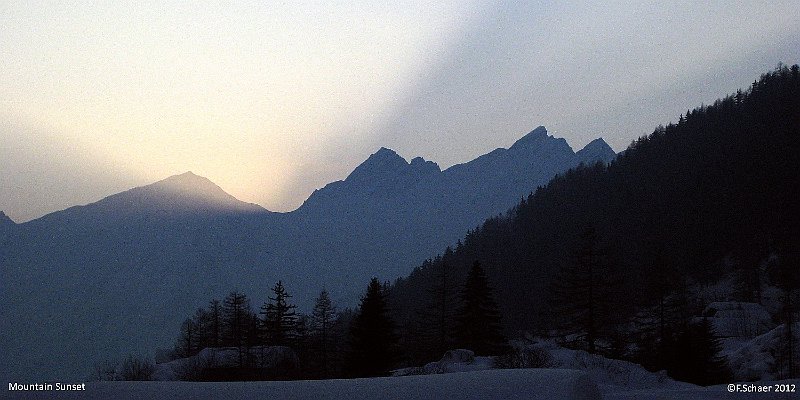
[(185, 194), (597, 149), (119, 275)]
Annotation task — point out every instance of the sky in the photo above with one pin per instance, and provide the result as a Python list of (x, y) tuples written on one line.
[(271, 100)]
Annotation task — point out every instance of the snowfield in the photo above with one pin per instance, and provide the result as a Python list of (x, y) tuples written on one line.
[(534, 384)]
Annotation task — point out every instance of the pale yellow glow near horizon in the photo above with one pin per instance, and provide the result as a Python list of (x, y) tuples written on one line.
[(242, 93)]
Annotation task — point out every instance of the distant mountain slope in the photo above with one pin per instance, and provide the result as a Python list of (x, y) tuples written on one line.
[(119, 275), (186, 194), (413, 204), (6, 225), (597, 149)]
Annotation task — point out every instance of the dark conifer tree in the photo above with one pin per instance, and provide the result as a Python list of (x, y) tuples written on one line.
[(658, 323), (372, 336), (237, 320), (253, 333), (697, 357), (195, 334), (215, 323), (439, 313), (301, 343), (202, 330), (429, 334), (202, 326), (323, 318), (478, 321), (279, 318), (582, 292), (187, 343), (785, 274)]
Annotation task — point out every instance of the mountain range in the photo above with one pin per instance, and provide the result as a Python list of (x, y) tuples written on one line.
[(116, 276)]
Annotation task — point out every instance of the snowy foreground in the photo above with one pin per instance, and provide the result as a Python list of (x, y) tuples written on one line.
[(544, 384), (570, 374)]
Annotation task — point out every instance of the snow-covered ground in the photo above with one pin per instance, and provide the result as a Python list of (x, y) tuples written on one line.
[(608, 374), (544, 384), (534, 384), (705, 393), (570, 374)]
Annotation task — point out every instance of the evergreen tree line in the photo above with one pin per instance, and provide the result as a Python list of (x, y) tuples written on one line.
[(359, 343), (459, 312), (603, 256), (316, 338)]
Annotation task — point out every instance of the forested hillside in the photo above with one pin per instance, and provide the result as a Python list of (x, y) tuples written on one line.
[(599, 246)]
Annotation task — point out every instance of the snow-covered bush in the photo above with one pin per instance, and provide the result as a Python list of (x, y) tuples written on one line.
[(525, 357), (130, 369), (459, 360), (458, 356), (193, 368), (105, 371), (260, 362), (136, 369), (616, 371)]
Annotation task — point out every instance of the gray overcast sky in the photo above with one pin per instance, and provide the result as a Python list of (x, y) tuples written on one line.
[(271, 101)]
